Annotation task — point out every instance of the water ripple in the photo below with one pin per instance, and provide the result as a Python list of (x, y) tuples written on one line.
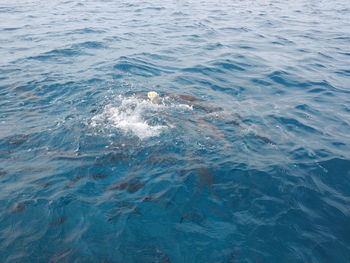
[(243, 157)]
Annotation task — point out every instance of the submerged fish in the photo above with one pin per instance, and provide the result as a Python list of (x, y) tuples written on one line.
[(44, 184), (58, 221), (99, 176), (137, 115), (131, 186), (189, 100), (62, 255), (212, 112), (73, 181), (18, 208), (18, 139), (206, 179), (124, 210)]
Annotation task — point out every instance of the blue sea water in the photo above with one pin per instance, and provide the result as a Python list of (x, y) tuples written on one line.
[(256, 170)]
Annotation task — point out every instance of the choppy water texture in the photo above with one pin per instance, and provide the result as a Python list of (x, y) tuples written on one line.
[(256, 170)]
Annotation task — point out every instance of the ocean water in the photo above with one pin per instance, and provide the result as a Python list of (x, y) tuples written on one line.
[(252, 164)]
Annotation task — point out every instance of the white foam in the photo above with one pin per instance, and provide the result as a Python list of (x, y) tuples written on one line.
[(129, 115)]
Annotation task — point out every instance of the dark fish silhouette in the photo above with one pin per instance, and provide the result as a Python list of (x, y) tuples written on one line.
[(159, 197), (99, 176), (44, 184), (264, 139), (232, 256), (62, 255), (74, 180), (21, 91), (153, 254), (194, 102), (208, 109), (58, 221), (6, 154), (166, 158), (207, 179), (18, 208), (18, 139), (130, 186), (126, 210), (183, 97), (212, 112), (149, 198), (112, 157), (191, 217)]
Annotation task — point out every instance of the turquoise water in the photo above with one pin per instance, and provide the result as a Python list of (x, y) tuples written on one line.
[(252, 166)]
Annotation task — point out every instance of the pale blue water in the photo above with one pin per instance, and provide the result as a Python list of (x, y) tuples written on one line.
[(92, 171)]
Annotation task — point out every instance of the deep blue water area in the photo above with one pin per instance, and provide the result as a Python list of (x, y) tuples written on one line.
[(244, 155)]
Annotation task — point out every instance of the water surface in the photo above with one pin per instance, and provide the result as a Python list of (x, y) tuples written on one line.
[(256, 170)]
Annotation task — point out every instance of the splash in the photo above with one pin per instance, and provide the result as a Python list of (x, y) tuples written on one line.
[(132, 115), (139, 116)]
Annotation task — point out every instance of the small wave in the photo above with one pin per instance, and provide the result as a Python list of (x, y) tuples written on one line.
[(138, 67), (11, 28), (90, 45), (228, 65), (58, 54)]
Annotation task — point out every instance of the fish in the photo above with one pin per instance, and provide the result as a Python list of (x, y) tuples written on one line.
[(207, 126), (18, 139), (183, 97), (24, 93), (44, 184), (226, 116), (157, 159), (62, 255), (192, 217), (207, 179), (6, 154), (58, 221), (18, 208), (134, 187), (194, 102), (130, 186), (125, 209), (235, 119), (74, 180), (264, 139), (213, 112), (155, 197), (99, 176), (232, 256)]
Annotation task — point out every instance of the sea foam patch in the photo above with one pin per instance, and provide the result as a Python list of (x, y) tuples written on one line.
[(131, 115), (139, 116)]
